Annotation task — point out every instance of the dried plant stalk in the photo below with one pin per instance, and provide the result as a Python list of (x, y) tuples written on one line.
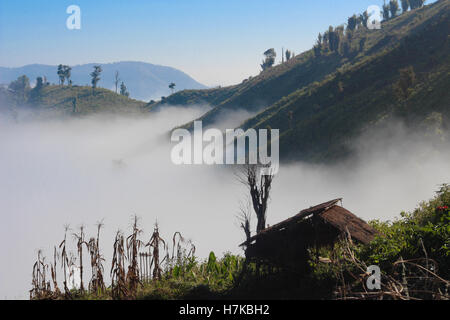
[(155, 243), (133, 246), (118, 277), (96, 284), (65, 260), (80, 243)]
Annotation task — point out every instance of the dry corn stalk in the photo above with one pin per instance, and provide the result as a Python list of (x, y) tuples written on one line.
[(96, 284), (155, 243), (41, 288), (65, 260), (124, 285), (133, 246), (80, 242), (177, 245), (191, 252), (118, 278), (53, 272)]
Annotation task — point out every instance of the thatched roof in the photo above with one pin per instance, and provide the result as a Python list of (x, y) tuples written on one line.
[(330, 214), (345, 221)]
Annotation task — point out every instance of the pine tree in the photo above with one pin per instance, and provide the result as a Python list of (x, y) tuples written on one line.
[(393, 8), (96, 76), (318, 46), (67, 72), (61, 75), (37, 90), (364, 17), (39, 83), (172, 87), (405, 5), (386, 10), (415, 4), (20, 87), (288, 55), (352, 22), (124, 90), (269, 61)]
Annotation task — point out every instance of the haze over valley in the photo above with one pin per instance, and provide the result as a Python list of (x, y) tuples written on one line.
[(363, 115)]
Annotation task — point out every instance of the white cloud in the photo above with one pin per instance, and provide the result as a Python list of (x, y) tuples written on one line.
[(79, 171)]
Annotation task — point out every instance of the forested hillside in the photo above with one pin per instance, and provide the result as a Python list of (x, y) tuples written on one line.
[(352, 79)]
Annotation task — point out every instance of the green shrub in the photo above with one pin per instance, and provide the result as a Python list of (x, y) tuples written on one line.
[(423, 233)]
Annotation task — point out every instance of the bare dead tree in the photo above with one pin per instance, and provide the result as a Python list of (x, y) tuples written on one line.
[(244, 218), (259, 186)]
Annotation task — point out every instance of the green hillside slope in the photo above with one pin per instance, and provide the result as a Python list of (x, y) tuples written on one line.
[(70, 100), (145, 81), (318, 122), (320, 101), (256, 93)]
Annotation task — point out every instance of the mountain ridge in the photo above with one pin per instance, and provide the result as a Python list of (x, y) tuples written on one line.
[(145, 81), (338, 94)]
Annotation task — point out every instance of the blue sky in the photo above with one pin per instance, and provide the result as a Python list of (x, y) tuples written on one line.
[(218, 42)]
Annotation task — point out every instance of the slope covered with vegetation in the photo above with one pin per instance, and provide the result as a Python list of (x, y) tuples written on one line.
[(352, 79), (69, 100), (145, 81), (407, 78), (413, 253)]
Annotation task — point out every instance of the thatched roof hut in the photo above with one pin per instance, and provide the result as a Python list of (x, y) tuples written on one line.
[(286, 243)]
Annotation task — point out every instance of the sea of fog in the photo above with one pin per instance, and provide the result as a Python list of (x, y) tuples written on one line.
[(56, 172)]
